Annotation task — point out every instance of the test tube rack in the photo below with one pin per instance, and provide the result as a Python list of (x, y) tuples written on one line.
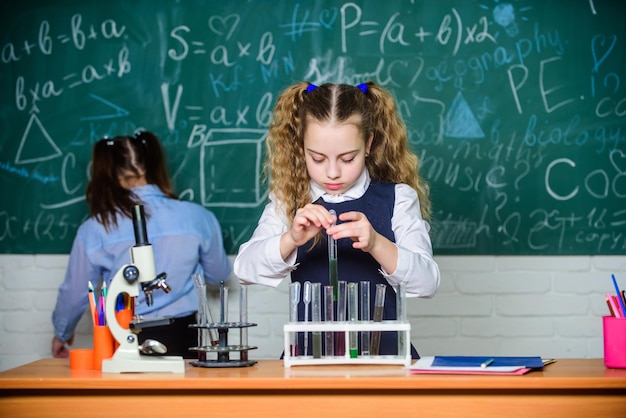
[(348, 326), (223, 349)]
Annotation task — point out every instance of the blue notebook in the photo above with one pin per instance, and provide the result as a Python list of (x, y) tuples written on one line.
[(476, 361)]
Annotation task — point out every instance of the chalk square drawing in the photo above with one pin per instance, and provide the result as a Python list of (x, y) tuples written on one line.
[(231, 167)]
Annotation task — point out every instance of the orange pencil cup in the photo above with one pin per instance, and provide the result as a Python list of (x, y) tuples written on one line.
[(103, 345), (614, 330), (81, 359)]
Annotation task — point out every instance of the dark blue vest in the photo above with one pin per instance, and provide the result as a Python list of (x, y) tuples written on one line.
[(354, 265)]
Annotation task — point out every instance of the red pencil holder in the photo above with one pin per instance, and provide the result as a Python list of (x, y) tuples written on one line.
[(614, 330)]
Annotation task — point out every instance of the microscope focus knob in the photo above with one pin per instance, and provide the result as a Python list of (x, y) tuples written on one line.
[(131, 274)]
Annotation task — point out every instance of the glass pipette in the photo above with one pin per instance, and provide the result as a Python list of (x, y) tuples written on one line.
[(294, 300), (306, 298), (332, 258)]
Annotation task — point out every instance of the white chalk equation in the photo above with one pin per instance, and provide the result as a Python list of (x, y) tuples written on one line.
[(518, 119)]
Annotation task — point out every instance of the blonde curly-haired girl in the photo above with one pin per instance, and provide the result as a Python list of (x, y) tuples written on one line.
[(344, 148)]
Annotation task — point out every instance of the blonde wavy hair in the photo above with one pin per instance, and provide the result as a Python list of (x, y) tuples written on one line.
[(390, 159)]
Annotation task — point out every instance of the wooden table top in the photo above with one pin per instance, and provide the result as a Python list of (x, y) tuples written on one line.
[(272, 375)]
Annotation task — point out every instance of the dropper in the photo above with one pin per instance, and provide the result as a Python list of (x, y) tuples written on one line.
[(306, 298), (332, 258), (294, 299)]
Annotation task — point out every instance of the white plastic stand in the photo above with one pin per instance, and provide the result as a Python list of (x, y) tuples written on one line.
[(399, 326)]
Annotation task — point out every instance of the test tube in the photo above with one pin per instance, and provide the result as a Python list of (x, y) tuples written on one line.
[(223, 332), (206, 336), (365, 316), (353, 314), (294, 300), (329, 316), (223, 303), (340, 344), (332, 259), (243, 319), (401, 316), (316, 316), (379, 304)]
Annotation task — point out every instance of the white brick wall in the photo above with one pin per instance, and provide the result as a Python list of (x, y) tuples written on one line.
[(547, 306)]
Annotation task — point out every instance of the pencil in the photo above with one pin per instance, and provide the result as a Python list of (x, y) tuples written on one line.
[(102, 320), (92, 303), (486, 363), (610, 305), (613, 305), (619, 296)]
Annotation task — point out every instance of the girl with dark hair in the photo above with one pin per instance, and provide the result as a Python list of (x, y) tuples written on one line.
[(186, 239)]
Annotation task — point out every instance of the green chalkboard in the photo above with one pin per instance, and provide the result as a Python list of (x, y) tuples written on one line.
[(517, 109)]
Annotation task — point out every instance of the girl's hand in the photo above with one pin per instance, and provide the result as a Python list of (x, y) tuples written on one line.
[(358, 228), (308, 222)]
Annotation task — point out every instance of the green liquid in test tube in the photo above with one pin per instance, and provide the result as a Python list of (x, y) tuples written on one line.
[(379, 305), (316, 316), (353, 313), (332, 259)]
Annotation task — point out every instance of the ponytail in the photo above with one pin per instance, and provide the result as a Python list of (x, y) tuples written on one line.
[(285, 164), (151, 158)]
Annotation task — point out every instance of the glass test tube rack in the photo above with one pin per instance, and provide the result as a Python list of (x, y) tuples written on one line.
[(403, 327), (208, 343)]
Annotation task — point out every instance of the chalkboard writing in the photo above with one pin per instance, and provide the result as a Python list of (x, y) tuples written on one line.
[(517, 109)]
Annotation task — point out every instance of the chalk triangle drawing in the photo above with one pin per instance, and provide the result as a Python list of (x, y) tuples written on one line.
[(460, 122), (37, 152), (118, 111)]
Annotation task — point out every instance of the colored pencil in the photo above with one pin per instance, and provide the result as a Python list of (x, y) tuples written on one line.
[(619, 297), (92, 304)]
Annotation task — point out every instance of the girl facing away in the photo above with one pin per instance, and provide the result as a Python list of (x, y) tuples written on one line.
[(186, 239), (344, 148)]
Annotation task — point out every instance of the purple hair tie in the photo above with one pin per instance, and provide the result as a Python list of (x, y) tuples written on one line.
[(310, 88), (363, 87)]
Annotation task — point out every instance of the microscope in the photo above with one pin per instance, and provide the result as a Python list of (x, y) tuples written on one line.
[(129, 278)]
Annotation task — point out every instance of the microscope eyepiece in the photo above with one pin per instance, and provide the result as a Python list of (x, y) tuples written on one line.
[(139, 224)]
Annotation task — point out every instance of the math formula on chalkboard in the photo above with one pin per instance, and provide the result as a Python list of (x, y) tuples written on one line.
[(516, 109)]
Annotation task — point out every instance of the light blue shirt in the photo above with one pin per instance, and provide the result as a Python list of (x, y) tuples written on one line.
[(186, 239)]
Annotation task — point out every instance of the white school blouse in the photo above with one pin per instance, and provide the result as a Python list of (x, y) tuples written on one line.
[(259, 261)]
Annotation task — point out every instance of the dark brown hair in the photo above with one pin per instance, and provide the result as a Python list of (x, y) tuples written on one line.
[(139, 155)]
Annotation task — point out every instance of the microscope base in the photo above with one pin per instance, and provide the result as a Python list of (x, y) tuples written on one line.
[(144, 364)]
